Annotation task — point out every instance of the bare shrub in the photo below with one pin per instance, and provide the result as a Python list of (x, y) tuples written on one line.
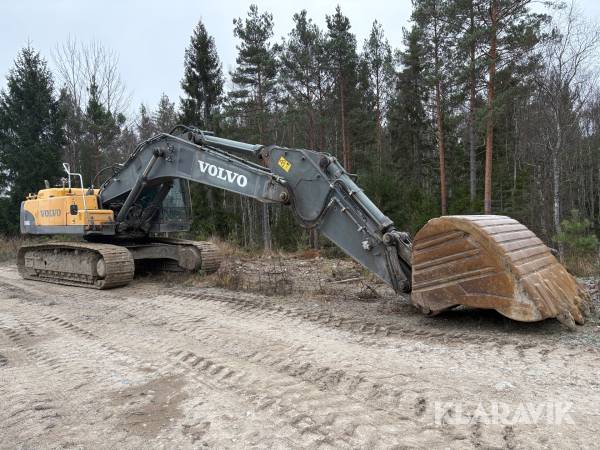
[(583, 265), (274, 279), (229, 276), (9, 245)]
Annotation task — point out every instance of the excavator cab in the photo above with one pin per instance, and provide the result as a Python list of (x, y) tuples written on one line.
[(162, 207), (175, 212)]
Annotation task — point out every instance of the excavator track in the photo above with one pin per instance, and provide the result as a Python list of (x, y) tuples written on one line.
[(210, 255), (91, 265)]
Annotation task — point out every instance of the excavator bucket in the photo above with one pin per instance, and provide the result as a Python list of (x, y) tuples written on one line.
[(492, 262)]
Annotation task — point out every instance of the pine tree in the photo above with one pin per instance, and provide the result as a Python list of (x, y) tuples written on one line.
[(362, 122), (73, 129), (202, 81), (255, 84), (202, 84), (377, 55), (30, 131), (512, 31), (101, 131), (300, 66), (165, 117), (431, 17), (341, 51), (304, 77), (255, 75), (146, 128), (411, 132), (468, 31)]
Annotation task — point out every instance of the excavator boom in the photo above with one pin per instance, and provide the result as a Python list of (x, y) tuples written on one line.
[(314, 185)]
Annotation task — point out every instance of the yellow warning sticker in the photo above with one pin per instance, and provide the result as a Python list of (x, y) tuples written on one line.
[(284, 164)]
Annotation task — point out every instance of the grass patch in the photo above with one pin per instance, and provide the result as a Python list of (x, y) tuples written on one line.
[(583, 265), (9, 245)]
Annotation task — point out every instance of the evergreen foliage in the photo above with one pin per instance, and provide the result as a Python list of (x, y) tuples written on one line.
[(31, 133), (202, 81), (577, 235), (252, 101), (383, 112)]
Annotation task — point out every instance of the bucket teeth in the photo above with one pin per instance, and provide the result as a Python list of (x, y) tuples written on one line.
[(492, 262)]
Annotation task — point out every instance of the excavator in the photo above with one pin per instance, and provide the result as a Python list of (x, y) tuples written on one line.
[(479, 261)]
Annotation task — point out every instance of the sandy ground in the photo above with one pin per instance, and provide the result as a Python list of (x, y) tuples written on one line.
[(179, 363)]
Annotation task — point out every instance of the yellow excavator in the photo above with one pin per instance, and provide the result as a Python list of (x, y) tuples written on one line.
[(480, 261)]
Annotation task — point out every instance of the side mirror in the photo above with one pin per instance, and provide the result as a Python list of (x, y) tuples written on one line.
[(73, 210)]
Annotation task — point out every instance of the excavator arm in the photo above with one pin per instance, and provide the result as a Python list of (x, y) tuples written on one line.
[(314, 185)]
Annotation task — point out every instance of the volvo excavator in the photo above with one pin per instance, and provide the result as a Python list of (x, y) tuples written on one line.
[(480, 261)]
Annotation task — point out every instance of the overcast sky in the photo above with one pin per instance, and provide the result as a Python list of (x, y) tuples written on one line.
[(150, 36)]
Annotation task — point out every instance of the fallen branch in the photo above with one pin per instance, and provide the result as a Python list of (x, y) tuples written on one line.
[(347, 280)]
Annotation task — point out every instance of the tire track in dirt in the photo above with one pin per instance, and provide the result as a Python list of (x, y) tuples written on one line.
[(282, 363), (172, 365), (20, 410), (295, 359), (279, 390), (335, 378), (507, 349), (279, 375), (282, 395), (522, 349), (239, 303), (254, 388), (77, 364), (257, 306)]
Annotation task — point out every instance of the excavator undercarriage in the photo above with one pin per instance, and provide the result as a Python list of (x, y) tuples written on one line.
[(104, 266), (490, 262)]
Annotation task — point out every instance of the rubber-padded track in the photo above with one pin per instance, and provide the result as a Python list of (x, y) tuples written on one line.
[(118, 263)]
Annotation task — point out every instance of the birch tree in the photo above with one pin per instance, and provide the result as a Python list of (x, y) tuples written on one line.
[(566, 86)]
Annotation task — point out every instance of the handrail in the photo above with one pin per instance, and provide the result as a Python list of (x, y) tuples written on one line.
[(70, 174)]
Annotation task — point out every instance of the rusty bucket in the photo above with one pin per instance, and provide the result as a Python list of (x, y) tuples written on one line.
[(492, 262)]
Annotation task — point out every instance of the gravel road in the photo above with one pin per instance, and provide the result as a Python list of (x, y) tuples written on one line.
[(165, 365)]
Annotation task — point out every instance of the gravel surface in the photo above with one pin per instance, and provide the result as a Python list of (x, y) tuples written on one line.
[(312, 353)]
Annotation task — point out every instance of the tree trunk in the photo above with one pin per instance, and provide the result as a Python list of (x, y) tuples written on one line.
[(556, 188), (311, 133), (489, 139), (441, 147), (539, 188), (440, 121), (472, 94), (267, 241), (313, 238), (321, 140), (378, 124), (311, 117), (210, 200), (379, 139), (345, 150), (472, 154), (266, 221), (207, 122)]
